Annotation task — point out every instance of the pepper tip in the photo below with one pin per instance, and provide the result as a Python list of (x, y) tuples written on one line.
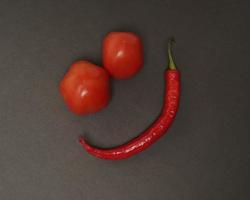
[(81, 140)]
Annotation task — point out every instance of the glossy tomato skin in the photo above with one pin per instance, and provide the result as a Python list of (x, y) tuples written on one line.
[(85, 88), (122, 54)]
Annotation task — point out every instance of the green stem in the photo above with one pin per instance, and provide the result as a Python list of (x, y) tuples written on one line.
[(170, 57)]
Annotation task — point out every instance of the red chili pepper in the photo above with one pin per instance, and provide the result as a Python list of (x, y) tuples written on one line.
[(156, 130)]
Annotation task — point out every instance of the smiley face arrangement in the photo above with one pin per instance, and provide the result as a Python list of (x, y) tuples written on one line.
[(86, 89)]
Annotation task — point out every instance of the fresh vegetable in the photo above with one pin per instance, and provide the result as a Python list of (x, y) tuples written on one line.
[(122, 54), (85, 88), (156, 130)]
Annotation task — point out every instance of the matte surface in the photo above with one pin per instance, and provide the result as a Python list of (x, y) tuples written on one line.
[(205, 154)]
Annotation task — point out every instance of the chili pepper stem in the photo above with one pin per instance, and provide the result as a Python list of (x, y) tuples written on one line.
[(170, 57)]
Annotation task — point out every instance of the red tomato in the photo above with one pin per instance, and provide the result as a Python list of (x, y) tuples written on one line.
[(122, 54), (85, 88)]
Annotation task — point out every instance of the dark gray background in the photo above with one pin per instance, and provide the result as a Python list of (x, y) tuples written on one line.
[(205, 154)]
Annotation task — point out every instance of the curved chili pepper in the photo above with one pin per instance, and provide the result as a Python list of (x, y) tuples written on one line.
[(156, 130)]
